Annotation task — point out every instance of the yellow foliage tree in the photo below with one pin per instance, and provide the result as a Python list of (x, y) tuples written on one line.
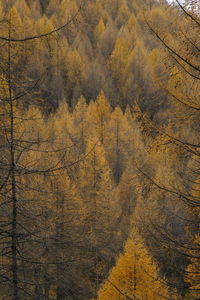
[(96, 189), (135, 276), (99, 30), (118, 142), (75, 72), (1, 10), (119, 59), (98, 116), (77, 125)]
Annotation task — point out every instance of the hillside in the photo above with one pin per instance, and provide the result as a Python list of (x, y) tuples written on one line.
[(99, 150)]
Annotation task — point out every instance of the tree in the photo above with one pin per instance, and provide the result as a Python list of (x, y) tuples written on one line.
[(182, 51), (119, 60), (77, 125), (119, 146), (24, 177), (99, 30), (96, 188), (135, 276), (75, 73), (98, 114)]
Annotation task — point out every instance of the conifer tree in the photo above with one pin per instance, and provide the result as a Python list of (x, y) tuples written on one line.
[(99, 30), (120, 142), (135, 276), (26, 163), (98, 114), (96, 187)]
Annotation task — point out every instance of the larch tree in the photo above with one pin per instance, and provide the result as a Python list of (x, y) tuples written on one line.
[(135, 276), (26, 162), (99, 30), (119, 60), (181, 52), (120, 140), (98, 114), (96, 188), (75, 74), (77, 125)]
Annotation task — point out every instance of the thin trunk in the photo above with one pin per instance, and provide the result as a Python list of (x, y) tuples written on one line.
[(46, 286), (15, 281), (102, 129), (45, 257), (95, 223), (117, 170), (61, 292), (135, 274)]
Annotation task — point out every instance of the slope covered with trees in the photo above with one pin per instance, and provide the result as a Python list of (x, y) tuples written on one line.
[(99, 150), (105, 47)]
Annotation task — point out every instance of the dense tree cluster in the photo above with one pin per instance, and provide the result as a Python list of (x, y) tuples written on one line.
[(105, 47), (99, 150)]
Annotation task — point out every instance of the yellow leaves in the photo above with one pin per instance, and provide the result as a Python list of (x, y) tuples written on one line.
[(76, 122), (118, 141), (131, 22), (44, 25), (176, 78), (4, 88), (119, 58), (99, 30), (95, 173), (122, 14), (119, 128), (59, 122), (75, 67), (121, 50), (157, 18), (16, 22), (33, 125), (135, 275), (53, 292), (67, 9), (181, 92), (23, 8), (98, 114), (153, 57), (156, 67), (103, 108), (63, 49), (48, 26), (81, 105), (1, 10), (103, 104)]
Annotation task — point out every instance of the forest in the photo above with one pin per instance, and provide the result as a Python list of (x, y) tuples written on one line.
[(99, 150)]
